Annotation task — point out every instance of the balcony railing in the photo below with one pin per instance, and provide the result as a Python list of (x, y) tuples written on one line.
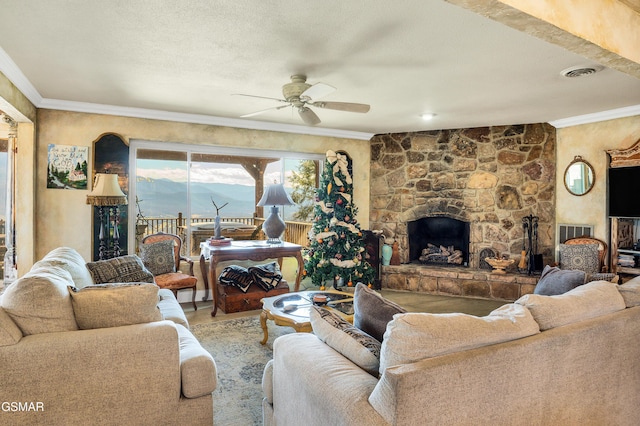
[(296, 232)]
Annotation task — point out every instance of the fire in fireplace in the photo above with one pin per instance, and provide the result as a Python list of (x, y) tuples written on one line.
[(439, 240)]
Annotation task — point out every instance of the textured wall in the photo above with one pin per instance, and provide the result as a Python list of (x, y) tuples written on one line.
[(63, 218), (491, 177)]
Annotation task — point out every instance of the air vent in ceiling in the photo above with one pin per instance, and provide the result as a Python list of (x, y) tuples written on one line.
[(580, 71)]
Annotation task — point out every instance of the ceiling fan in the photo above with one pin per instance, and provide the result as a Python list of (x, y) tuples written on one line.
[(301, 95)]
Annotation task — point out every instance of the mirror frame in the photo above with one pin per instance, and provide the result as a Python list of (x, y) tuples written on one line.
[(576, 160)]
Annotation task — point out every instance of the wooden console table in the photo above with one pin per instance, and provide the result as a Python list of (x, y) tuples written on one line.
[(243, 250)]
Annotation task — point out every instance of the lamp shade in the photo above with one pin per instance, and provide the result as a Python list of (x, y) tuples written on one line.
[(106, 191), (275, 195)]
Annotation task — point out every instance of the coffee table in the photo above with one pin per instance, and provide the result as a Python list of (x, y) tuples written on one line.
[(292, 309)]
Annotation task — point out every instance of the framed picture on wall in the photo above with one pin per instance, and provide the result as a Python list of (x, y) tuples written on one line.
[(67, 166)]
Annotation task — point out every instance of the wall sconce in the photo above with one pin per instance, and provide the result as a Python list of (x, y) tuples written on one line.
[(108, 196), (275, 195)]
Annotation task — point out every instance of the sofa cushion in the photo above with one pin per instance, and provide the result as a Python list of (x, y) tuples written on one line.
[(630, 292), (353, 343), (123, 269), (114, 305), (554, 280), (267, 381), (10, 334), (71, 261), (412, 337), (159, 257), (586, 301), (39, 302), (266, 276), (583, 257), (372, 312), (170, 309)]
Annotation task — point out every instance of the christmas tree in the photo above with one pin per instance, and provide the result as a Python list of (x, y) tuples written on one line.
[(337, 248)]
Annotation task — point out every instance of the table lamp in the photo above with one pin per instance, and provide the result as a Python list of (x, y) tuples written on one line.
[(107, 193), (274, 196)]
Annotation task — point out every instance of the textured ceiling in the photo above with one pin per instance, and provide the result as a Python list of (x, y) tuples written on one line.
[(404, 58)]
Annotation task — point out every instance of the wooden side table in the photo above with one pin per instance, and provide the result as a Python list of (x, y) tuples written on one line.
[(244, 250)]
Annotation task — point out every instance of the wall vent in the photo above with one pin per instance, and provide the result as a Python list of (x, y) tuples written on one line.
[(567, 231)]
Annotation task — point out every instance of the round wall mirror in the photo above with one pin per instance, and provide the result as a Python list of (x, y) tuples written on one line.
[(579, 176)]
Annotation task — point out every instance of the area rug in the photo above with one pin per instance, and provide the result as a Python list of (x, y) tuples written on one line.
[(240, 359)]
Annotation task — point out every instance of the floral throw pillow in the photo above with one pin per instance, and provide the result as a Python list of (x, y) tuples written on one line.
[(159, 257)]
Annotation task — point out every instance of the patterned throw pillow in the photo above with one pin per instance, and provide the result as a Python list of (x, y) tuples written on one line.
[(353, 343), (583, 257), (123, 269), (236, 276), (266, 276), (159, 257)]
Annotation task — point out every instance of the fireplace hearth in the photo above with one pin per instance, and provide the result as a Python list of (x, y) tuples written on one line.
[(439, 241)]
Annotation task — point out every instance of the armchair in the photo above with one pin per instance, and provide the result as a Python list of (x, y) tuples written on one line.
[(160, 253)]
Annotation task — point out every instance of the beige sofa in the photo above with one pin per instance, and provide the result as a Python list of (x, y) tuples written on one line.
[(110, 354), (579, 365)]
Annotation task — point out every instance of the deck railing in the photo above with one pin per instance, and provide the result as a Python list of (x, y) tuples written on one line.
[(296, 232)]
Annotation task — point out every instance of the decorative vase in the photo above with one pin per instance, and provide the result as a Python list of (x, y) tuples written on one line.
[(387, 251)]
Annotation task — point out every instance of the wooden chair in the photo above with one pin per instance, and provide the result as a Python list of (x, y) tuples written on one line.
[(178, 280), (602, 248)]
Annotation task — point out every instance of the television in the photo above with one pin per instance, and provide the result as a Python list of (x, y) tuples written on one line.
[(623, 194)]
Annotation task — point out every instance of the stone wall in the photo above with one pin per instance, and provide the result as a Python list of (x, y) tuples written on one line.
[(491, 177)]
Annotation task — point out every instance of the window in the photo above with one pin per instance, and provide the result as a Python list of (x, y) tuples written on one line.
[(180, 188)]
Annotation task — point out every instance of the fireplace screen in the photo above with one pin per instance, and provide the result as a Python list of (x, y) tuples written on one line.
[(439, 241)]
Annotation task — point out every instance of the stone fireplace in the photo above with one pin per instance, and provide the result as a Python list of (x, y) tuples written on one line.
[(488, 177)]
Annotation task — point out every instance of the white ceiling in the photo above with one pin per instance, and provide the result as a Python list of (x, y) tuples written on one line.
[(185, 60)]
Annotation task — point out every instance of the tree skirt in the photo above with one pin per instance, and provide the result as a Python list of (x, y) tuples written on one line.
[(240, 360)]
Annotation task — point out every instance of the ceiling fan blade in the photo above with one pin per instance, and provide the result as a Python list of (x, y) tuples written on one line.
[(342, 106), (309, 117), (251, 114), (259, 97), (317, 91)]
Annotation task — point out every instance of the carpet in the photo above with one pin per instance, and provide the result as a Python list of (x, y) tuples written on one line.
[(240, 360)]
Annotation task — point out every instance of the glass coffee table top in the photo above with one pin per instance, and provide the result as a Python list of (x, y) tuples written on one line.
[(299, 304)]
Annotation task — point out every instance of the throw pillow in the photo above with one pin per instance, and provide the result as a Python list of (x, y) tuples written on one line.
[(39, 302), (583, 257), (602, 276), (266, 276), (236, 276), (372, 312), (412, 336), (159, 257), (583, 302), (70, 260), (558, 281), (354, 344), (630, 292), (115, 305), (123, 269)]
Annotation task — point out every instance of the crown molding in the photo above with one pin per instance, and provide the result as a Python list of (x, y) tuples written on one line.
[(595, 117), (198, 119), (13, 73)]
